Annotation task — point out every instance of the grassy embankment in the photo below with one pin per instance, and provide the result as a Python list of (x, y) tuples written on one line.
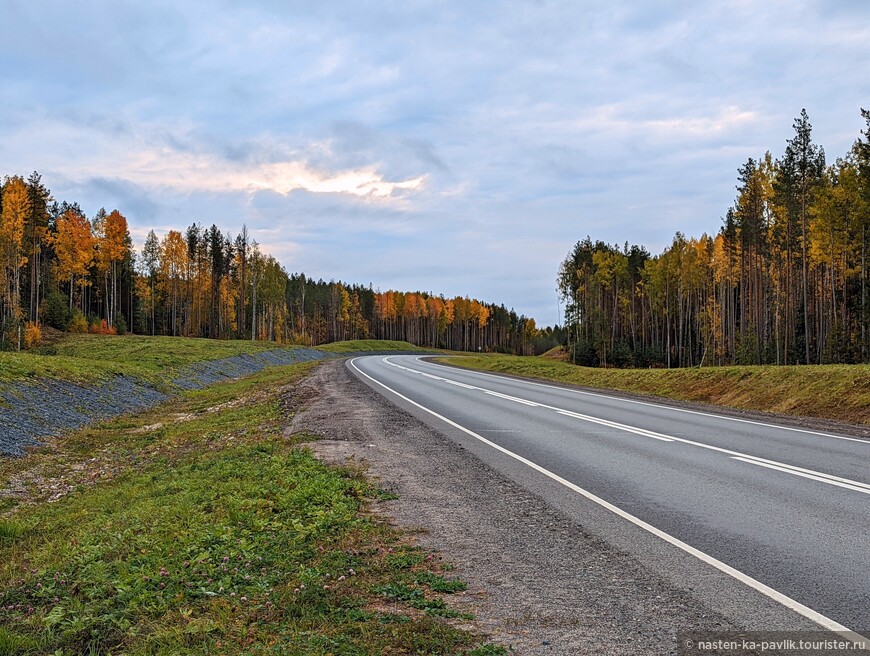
[(363, 345), (198, 528), (85, 358), (88, 358), (839, 392)]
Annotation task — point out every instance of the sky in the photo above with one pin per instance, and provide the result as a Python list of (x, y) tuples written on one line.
[(454, 147)]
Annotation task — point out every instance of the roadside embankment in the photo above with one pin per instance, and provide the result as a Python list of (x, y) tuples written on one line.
[(80, 379), (76, 395), (834, 392)]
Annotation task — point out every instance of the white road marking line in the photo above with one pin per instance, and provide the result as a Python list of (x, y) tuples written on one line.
[(647, 403), (755, 584), (511, 398), (813, 475), (610, 424), (791, 471), (795, 468)]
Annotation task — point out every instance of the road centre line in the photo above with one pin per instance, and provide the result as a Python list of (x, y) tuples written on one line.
[(648, 403), (511, 398), (755, 584), (610, 424), (821, 477), (865, 489), (810, 472)]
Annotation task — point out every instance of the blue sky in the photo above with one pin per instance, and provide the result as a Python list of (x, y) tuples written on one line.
[(454, 147)]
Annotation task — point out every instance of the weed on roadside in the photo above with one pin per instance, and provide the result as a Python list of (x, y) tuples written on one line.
[(211, 533)]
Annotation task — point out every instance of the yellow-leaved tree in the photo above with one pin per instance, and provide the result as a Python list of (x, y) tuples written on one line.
[(16, 208), (114, 247), (74, 247)]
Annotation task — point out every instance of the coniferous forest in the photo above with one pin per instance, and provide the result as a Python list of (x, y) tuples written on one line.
[(783, 281), (62, 269)]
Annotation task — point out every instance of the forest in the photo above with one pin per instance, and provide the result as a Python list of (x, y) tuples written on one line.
[(783, 280), (61, 269)]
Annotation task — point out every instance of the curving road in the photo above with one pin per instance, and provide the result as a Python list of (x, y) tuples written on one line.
[(781, 510)]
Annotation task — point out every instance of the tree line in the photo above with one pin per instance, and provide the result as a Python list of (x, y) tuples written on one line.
[(783, 281), (60, 268)]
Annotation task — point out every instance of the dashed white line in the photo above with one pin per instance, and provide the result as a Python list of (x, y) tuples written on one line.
[(622, 427), (511, 398)]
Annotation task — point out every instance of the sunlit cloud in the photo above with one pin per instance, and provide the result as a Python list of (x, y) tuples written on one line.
[(191, 172), (289, 176)]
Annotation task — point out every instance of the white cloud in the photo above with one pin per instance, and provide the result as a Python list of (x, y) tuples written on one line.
[(206, 172), (90, 153), (621, 119)]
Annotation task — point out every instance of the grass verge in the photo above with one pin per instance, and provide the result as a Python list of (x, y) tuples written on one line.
[(838, 392), (85, 358), (365, 345), (89, 358), (199, 528)]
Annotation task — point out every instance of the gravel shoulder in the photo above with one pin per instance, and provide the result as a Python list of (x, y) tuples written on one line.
[(547, 574)]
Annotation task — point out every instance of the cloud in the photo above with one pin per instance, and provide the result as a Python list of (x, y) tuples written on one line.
[(157, 157), (201, 172), (618, 119)]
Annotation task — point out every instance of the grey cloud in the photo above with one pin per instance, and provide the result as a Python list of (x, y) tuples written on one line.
[(135, 203)]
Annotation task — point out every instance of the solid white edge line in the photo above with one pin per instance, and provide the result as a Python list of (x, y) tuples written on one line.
[(652, 405), (755, 584)]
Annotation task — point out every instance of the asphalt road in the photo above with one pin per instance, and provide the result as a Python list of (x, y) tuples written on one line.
[(781, 510)]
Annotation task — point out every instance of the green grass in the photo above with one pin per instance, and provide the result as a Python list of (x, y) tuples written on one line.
[(10, 531), (361, 345), (199, 528), (156, 353), (17, 366), (92, 357), (839, 392), (89, 358)]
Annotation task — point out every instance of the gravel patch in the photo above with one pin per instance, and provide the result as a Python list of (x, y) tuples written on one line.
[(33, 410)]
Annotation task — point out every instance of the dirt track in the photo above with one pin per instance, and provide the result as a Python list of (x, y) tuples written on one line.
[(538, 581)]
